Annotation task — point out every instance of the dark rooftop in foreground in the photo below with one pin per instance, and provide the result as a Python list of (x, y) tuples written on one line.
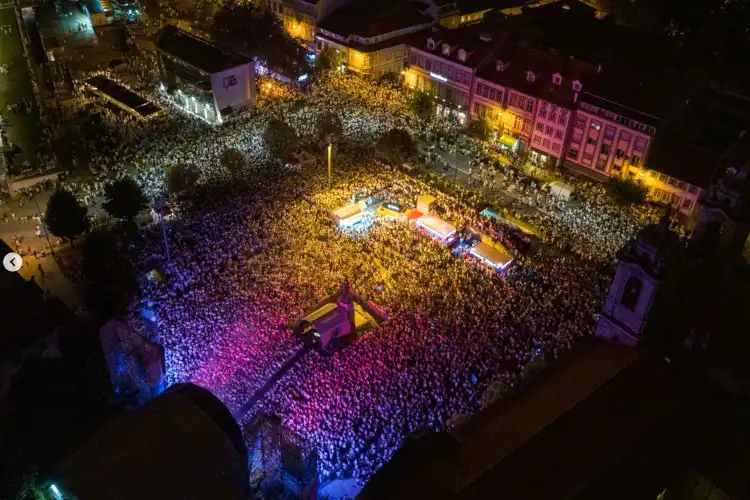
[(183, 445), (196, 52), (124, 96), (549, 441), (369, 19)]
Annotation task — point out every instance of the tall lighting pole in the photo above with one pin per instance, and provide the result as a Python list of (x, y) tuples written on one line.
[(329, 165), (160, 204)]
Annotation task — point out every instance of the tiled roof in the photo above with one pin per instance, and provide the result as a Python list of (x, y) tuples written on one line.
[(476, 40), (369, 19), (518, 60), (682, 160)]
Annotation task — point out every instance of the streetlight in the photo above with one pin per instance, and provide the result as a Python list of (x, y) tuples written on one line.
[(160, 205), (329, 165)]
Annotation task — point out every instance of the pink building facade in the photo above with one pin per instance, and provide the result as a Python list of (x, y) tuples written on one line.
[(551, 126), (606, 142)]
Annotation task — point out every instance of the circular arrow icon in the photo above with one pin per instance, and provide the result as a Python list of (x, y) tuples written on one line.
[(12, 262)]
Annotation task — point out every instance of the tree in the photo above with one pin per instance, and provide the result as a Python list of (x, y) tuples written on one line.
[(65, 217), (124, 199), (390, 79), (329, 59), (625, 191), (181, 177), (280, 137), (423, 105), (329, 127), (111, 278), (396, 146), (257, 33), (479, 129), (234, 161)]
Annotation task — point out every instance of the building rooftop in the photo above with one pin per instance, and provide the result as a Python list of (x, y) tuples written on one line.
[(24, 299), (371, 19), (516, 60), (570, 425), (196, 52), (477, 40), (682, 160), (185, 444)]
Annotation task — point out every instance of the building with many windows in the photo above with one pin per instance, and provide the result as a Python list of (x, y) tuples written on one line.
[(372, 39), (444, 63), (529, 97), (300, 18)]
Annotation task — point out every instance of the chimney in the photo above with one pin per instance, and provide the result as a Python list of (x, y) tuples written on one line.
[(599, 68), (575, 97)]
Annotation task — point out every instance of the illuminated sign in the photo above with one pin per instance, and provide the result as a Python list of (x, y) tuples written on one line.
[(439, 77), (302, 78)]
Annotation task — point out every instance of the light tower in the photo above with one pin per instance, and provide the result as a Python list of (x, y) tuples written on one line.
[(640, 275)]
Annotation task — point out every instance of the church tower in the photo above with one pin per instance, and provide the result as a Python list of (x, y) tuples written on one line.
[(640, 275), (724, 219)]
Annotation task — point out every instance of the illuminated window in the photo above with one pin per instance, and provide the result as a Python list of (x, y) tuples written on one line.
[(557, 79), (577, 86), (446, 49), (530, 76), (430, 44), (499, 66), (462, 55)]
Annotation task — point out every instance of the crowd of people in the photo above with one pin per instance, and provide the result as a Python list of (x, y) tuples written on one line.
[(453, 328), (245, 266)]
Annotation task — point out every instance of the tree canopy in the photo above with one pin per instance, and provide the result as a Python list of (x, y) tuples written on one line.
[(390, 79), (124, 199), (181, 177), (423, 105), (280, 137), (479, 129), (396, 146), (329, 59), (625, 191), (329, 127), (65, 217), (111, 278), (256, 32), (234, 161)]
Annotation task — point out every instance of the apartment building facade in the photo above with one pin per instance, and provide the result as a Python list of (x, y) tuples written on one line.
[(372, 41), (557, 111), (444, 63)]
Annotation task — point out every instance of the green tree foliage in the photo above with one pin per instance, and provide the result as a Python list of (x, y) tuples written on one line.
[(256, 32), (625, 191), (479, 129), (396, 146), (234, 161), (124, 199), (329, 127), (280, 138), (65, 217), (329, 59), (181, 177), (423, 105), (111, 278), (390, 79)]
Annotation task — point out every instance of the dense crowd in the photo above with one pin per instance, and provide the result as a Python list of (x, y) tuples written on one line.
[(245, 267), (453, 328)]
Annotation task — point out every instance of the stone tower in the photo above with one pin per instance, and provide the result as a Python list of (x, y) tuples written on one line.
[(724, 219), (640, 275)]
